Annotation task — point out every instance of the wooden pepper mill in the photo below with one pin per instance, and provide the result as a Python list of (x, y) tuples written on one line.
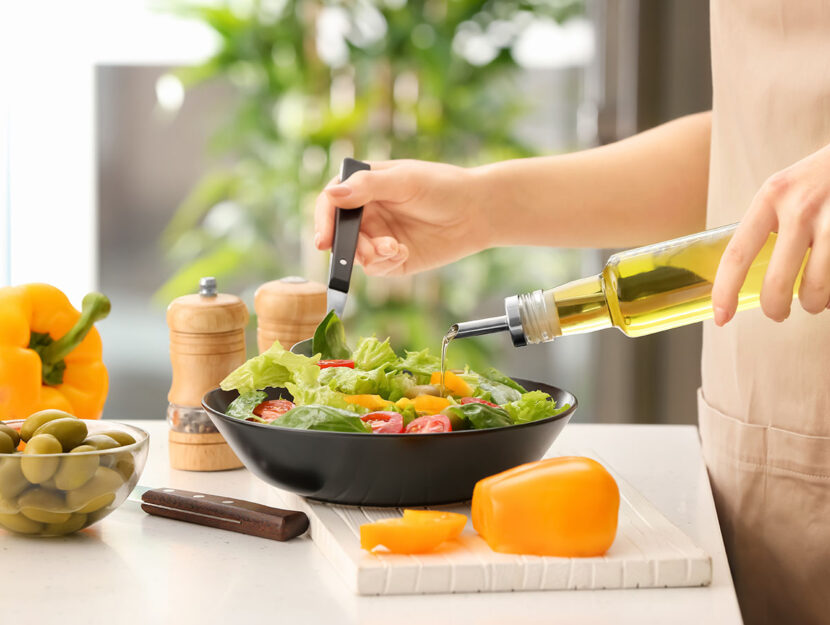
[(207, 342), (288, 310)]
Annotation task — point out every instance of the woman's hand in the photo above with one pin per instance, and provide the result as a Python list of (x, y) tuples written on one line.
[(416, 216), (795, 203)]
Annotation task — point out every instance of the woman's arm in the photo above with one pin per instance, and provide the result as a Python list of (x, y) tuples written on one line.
[(647, 188), (422, 215)]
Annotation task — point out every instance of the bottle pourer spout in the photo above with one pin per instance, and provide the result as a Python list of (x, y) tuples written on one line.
[(510, 322)]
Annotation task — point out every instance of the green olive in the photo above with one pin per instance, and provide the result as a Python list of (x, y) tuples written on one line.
[(34, 465), (75, 472), (21, 524), (122, 438), (44, 506), (12, 480), (8, 507), (126, 466), (13, 434), (70, 432), (7, 445), (34, 421), (100, 442), (97, 493), (75, 523)]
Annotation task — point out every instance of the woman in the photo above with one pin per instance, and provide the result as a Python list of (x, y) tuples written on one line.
[(761, 157)]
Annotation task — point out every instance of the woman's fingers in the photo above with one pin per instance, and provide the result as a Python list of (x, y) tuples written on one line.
[(742, 249), (391, 266), (371, 251), (814, 291), (324, 220), (779, 281)]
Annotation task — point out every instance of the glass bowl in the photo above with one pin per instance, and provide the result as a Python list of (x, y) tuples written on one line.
[(58, 494)]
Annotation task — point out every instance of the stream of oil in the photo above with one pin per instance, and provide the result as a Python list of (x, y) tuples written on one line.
[(450, 335)]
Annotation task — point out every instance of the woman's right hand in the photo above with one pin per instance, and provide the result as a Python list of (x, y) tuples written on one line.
[(417, 215)]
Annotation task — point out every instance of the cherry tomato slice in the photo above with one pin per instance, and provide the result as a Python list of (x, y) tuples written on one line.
[(476, 400), (384, 422), (429, 423), (325, 364), (273, 409)]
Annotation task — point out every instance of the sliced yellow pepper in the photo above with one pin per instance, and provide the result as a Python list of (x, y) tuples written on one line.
[(454, 384), (417, 531), (565, 507), (372, 402), (430, 404)]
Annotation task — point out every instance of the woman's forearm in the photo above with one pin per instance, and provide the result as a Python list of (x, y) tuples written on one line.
[(647, 188)]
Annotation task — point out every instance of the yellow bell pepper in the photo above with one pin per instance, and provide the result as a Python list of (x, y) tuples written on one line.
[(417, 531), (430, 404), (452, 382), (565, 507), (50, 355), (372, 402)]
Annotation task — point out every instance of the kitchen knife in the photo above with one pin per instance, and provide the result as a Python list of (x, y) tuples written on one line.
[(227, 513), (344, 246)]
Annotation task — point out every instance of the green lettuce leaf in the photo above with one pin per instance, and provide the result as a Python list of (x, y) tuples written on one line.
[(397, 384), (533, 406), (494, 375), (323, 418), (421, 364), (477, 416), (321, 395), (354, 381), (274, 367), (495, 392), (408, 413), (371, 353), (243, 406), (329, 338)]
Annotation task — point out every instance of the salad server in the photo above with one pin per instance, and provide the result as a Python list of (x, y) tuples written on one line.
[(346, 229), (227, 513)]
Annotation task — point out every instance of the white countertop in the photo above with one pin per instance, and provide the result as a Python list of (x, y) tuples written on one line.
[(134, 568)]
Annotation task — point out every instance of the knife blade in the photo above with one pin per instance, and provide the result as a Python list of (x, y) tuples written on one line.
[(227, 513), (344, 246)]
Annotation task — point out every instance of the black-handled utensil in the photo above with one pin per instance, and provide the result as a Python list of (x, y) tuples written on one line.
[(344, 246), (227, 513)]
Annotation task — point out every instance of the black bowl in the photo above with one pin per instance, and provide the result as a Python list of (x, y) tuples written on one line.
[(383, 469)]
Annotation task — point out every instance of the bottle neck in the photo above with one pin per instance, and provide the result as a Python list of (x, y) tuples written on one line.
[(572, 308)]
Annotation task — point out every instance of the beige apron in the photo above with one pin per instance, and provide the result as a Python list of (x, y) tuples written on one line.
[(765, 401)]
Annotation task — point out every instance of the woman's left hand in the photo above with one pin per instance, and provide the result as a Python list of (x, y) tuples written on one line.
[(795, 203)]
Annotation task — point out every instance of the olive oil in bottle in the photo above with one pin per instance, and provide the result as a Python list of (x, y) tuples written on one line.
[(640, 291)]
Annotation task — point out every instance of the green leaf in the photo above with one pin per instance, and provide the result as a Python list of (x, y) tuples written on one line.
[(329, 338), (478, 416), (533, 406), (495, 375), (322, 395), (421, 364), (273, 368), (371, 354), (324, 418), (354, 381), (243, 406)]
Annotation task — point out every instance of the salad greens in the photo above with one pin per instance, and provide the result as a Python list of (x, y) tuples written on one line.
[(334, 388)]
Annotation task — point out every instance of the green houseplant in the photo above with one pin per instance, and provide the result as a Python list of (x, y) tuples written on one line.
[(319, 80)]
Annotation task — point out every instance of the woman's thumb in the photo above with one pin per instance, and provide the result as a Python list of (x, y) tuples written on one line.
[(367, 186)]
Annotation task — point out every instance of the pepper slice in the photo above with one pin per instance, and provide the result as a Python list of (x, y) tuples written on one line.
[(417, 531)]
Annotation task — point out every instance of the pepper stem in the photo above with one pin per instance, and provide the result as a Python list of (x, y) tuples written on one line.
[(94, 307)]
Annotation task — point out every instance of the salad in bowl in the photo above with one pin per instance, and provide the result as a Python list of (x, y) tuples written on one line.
[(372, 389)]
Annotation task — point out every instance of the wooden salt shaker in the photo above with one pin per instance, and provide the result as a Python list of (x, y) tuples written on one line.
[(207, 342), (288, 310)]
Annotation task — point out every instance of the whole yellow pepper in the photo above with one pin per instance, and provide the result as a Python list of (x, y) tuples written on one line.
[(50, 355)]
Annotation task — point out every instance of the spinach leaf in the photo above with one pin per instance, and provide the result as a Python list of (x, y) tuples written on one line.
[(323, 418), (329, 338), (479, 416), (496, 392), (243, 406), (494, 375)]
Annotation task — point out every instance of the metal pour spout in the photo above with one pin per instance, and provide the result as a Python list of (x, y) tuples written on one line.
[(510, 322)]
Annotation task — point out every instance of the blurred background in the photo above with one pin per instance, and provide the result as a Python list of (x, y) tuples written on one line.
[(143, 146)]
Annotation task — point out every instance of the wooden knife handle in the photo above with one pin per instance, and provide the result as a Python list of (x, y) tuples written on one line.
[(227, 513)]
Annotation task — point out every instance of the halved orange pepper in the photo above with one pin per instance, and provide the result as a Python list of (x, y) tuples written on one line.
[(372, 402), (417, 531), (452, 382), (430, 404), (564, 507)]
